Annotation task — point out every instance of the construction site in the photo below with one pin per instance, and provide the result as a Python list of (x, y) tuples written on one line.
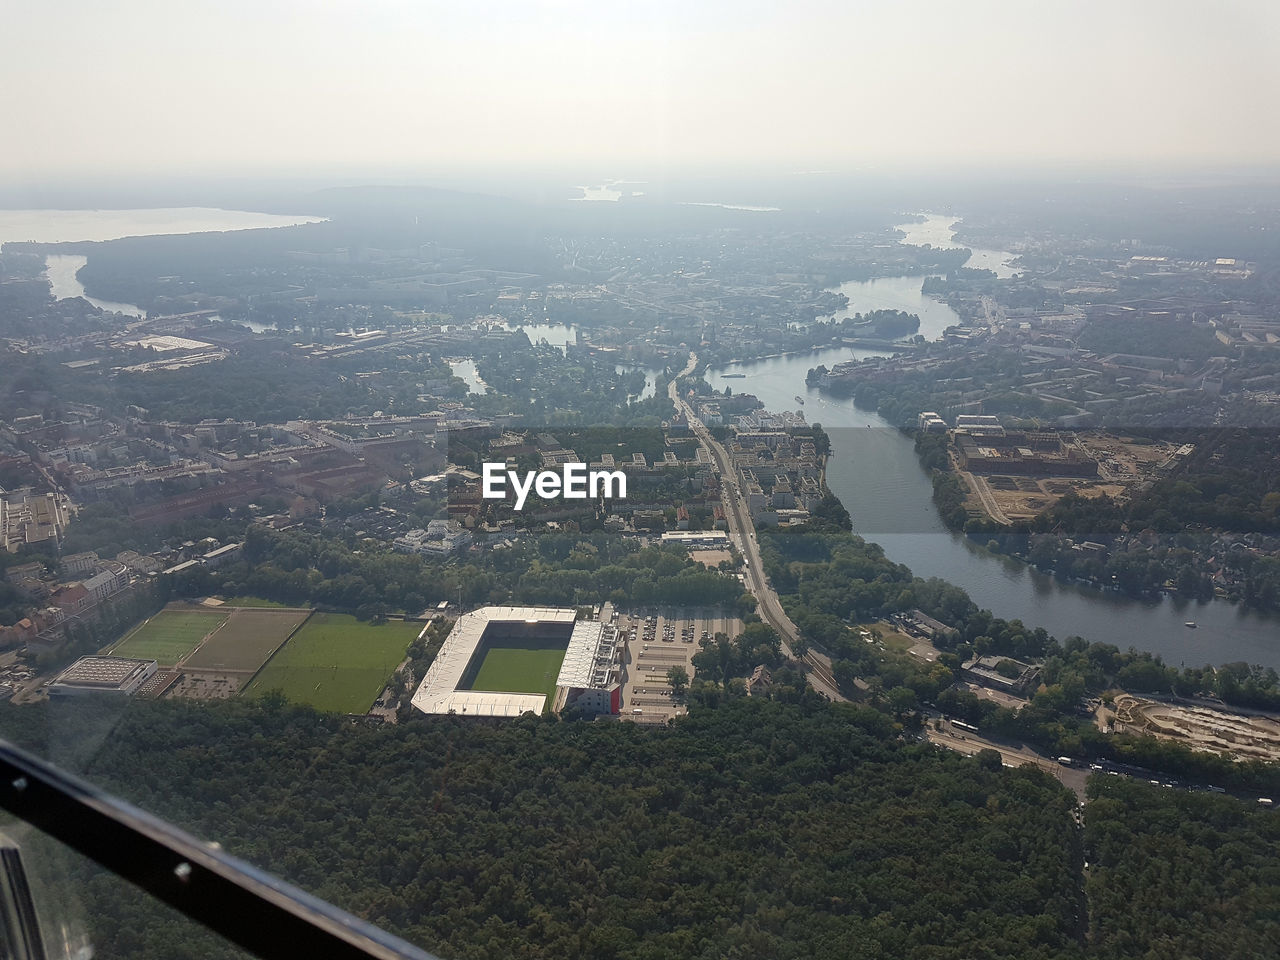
[(1243, 736), (1017, 476)]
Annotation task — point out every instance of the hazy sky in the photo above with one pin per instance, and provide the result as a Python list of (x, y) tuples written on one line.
[(247, 86)]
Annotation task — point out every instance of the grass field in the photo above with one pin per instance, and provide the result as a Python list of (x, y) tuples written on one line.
[(335, 662), (169, 636), (247, 639), (520, 670)]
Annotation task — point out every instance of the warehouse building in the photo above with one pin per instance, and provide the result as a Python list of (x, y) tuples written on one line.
[(117, 675)]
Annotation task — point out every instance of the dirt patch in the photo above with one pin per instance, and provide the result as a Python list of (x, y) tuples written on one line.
[(1124, 462), (1199, 727), (208, 685), (711, 559)]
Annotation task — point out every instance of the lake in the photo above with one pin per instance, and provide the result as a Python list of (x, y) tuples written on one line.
[(65, 226)]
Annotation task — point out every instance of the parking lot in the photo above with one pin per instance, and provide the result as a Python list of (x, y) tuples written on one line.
[(657, 641)]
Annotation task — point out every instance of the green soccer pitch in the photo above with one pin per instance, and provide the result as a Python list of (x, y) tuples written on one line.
[(335, 662), (520, 670)]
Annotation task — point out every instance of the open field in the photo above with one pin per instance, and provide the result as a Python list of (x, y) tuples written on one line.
[(246, 640), (513, 669), (334, 662), (170, 635)]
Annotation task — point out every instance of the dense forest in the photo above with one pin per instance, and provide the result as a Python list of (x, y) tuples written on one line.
[(1180, 874), (757, 828), (338, 571), (751, 828)]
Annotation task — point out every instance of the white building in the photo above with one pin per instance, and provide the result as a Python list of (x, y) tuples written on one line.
[(102, 675), (112, 577), (930, 422), (441, 538)]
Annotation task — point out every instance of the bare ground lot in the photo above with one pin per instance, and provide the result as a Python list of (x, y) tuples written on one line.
[(1200, 727), (710, 559), (1125, 458), (1123, 463)]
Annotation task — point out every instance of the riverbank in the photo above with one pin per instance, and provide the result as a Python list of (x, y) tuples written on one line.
[(1014, 517), (875, 472), (879, 345)]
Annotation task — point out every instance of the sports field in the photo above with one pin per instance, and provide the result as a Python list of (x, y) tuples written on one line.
[(519, 668), (334, 662), (246, 640), (170, 635)]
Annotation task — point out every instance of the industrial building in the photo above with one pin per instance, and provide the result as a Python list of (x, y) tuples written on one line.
[(118, 675), (1024, 453), (1004, 674), (979, 426)]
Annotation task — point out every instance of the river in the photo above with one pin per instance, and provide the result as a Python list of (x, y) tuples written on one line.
[(898, 293), (65, 226), (466, 371), (558, 335), (650, 380), (874, 471), (939, 231), (61, 269)]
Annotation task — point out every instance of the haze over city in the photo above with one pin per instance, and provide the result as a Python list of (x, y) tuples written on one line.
[(240, 88), (640, 481)]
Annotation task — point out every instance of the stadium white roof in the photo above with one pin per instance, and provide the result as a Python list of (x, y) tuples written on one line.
[(439, 693), (482, 703), (585, 660)]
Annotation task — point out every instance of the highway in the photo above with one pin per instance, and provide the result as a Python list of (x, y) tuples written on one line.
[(743, 535)]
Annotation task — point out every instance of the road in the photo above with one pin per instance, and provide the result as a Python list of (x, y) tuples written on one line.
[(979, 486), (968, 742), (742, 533)]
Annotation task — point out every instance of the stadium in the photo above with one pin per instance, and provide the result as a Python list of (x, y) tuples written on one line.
[(505, 661)]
